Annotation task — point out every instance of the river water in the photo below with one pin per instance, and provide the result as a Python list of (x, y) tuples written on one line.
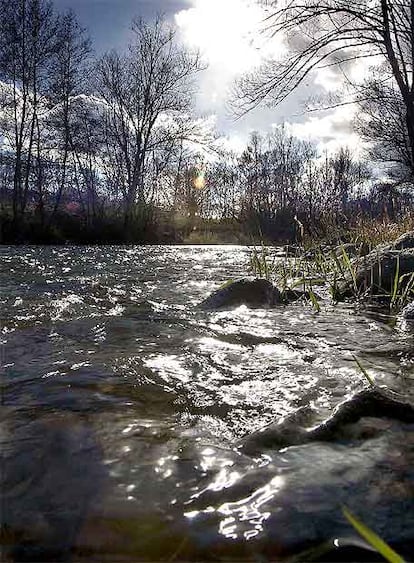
[(123, 405)]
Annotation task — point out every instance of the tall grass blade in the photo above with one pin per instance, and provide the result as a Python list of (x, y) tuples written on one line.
[(377, 543), (314, 301), (364, 372), (226, 284), (396, 283), (350, 269)]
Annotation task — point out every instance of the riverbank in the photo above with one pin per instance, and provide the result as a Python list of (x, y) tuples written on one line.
[(154, 226)]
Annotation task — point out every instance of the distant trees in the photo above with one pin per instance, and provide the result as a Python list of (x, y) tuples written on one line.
[(28, 41), (67, 82), (42, 58), (276, 178), (111, 150), (68, 138)]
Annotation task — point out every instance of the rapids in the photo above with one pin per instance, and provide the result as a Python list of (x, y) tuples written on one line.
[(123, 403)]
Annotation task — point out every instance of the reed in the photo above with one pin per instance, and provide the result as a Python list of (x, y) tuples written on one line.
[(327, 269), (372, 539)]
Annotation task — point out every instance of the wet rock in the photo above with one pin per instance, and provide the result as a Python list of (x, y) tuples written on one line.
[(373, 403), (351, 250), (257, 293), (408, 312), (375, 273), (404, 242), (292, 500)]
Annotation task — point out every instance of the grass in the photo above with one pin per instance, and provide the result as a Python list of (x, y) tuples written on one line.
[(260, 263), (329, 269), (372, 539), (364, 372), (380, 231)]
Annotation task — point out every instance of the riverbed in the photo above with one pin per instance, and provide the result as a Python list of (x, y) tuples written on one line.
[(123, 406)]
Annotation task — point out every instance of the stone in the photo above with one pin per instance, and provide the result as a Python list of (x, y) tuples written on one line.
[(287, 500), (404, 242), (351, 250), (292, 430), (408, 312), (375, 273), (255, 293)]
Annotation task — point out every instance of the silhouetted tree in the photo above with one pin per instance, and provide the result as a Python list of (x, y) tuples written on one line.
[(321, 32), (147, 94)]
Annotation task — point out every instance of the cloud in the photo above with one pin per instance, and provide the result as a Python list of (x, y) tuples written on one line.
[(225, 32), (229, 35), (330, 131)]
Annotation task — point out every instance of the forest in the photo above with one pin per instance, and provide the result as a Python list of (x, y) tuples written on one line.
[(110, 148)]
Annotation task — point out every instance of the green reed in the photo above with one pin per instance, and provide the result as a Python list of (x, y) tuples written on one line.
[(320, 266)]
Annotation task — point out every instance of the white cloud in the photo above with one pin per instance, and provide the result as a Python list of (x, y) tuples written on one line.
[(330, 131), (227, 32), (229, 35)]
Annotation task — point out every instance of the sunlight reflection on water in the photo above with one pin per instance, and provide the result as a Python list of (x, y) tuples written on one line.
[(109, 339)]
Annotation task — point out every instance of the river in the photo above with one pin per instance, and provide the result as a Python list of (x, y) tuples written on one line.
[(123, 404)]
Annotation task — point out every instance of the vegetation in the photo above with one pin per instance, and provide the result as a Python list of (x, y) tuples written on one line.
[(327, 267), (112, 150), (336, 33), (372, 539)]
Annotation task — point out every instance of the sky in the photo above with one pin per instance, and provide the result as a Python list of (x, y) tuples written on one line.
[(227, 33)]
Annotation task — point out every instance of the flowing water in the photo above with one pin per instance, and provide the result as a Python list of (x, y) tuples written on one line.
[(123, 404)]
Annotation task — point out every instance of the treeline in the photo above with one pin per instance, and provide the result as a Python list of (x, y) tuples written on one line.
[(110, 149), (281, 189), (84, 143)]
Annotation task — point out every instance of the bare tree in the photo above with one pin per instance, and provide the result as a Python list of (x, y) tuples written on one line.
[(27, 43), (68, 68), (145, 91), (382, 122), (332, 32)]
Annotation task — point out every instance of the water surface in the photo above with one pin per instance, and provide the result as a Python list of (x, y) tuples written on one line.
[(123, 405)]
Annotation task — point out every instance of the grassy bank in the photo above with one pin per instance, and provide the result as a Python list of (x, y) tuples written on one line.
[(333, 269)]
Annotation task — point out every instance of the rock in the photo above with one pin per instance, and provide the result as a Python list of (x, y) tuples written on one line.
[(374, 403), (288, 501), (408, 312), (375, 273), (404, 242), (351, 250), (256, 293)]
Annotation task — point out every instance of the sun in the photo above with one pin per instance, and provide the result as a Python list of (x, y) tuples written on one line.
[(223, 30), (200, 181)]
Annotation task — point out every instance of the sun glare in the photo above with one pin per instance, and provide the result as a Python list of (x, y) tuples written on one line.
[(225, 32), (200, 181)]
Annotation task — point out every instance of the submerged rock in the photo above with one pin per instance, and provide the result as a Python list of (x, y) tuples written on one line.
[(373, 403), (287, 501), (292, 501), (256, 293)]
